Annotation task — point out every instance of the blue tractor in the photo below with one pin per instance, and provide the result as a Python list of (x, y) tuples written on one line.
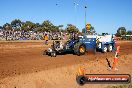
[(82, 44), (77, 46)]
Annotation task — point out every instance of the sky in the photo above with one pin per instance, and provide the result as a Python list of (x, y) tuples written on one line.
[(103, 15)]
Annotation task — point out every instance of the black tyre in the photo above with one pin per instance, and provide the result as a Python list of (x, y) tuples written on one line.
[(53, 54), (104, 50), (79, 49), (81, 80), (110, 48)]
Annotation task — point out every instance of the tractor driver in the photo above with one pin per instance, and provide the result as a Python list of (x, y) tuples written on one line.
[(74, 36), (58, 45)]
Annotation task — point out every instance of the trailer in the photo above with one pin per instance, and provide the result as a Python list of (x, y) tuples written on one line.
[(105, 43)]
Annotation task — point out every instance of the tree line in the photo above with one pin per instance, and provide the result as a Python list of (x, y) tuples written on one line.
[(18, 25), (122, 31)]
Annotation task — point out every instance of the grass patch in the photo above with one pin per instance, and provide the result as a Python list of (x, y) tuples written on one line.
[(120, 86)]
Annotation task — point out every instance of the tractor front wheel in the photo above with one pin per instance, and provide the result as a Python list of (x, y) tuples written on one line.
[(53, 54)]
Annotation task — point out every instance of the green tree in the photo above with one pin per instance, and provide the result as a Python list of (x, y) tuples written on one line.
[(37, 25), (47, 25), (1, 27), (83, 30), (71, 28), (40, 29), (16, 24), (105, 34), (121, 31), (129, 32), (63, 30), (28, 25), (60, 28), (7, 26), (55, 29)]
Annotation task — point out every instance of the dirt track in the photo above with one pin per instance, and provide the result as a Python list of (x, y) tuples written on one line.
[(22, 65)]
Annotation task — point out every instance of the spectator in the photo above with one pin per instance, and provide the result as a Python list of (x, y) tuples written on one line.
[(46, 39)]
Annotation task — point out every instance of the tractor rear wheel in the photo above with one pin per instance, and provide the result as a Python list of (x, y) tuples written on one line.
[(79, 49)]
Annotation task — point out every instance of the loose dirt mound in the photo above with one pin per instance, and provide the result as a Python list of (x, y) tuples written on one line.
[(22, 65)]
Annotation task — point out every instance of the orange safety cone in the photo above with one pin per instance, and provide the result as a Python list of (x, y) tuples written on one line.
[(81, 71), (115, 59)]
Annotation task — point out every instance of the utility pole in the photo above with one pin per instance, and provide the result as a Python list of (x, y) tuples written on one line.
[(75, 11), (85, 17)]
